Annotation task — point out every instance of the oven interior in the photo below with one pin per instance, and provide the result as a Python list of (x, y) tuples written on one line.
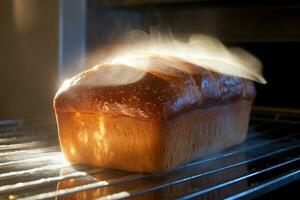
[(268, 163)]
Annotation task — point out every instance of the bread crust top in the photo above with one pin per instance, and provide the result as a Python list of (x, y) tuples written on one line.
[(167, 87)]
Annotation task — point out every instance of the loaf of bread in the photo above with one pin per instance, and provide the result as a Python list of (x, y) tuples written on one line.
[(153, 118)]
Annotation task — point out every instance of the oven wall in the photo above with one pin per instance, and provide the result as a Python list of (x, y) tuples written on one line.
[(28, 57)]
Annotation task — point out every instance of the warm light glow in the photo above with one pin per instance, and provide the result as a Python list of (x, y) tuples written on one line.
[(25, 14), (119, 195), (200, 50), (203, 51), (59, 157), (101, 127), (99, 136), (72, 151), (68, 83)]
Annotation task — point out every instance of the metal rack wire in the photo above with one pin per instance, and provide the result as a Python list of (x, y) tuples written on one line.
[(32, 167)]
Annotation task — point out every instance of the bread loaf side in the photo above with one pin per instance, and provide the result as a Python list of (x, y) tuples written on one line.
[(154, 119)]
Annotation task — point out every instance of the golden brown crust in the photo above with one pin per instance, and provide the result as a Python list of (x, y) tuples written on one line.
[(114, 142), (148, 146), (153, 120), (167, 88)]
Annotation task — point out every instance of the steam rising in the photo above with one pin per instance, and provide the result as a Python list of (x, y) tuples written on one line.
[(201, 50)]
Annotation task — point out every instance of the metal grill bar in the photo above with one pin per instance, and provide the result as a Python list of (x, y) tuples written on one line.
[(32, 166), (206, 160), (32, 171), (225, 154), (86, 187), (268, 186), (158, 187), (199, 193), (29, 151), (77, 174)]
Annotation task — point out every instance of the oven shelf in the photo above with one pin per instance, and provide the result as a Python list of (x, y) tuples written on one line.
[(32, 166)]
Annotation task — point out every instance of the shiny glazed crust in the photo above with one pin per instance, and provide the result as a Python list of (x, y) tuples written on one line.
[(175, 113), (165, 89)]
